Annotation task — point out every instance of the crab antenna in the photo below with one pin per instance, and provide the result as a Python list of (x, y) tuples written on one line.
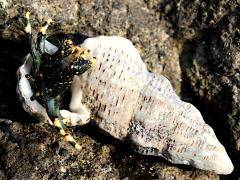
[(42, 36)]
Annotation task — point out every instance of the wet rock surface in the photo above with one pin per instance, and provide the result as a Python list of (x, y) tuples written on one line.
[(195, 44)]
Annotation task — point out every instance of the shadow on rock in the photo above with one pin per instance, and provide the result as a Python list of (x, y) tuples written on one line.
[(11, 54), (203, 82)]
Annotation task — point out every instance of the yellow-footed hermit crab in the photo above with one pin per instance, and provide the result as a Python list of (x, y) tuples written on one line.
[(50, 75), (128, 101)]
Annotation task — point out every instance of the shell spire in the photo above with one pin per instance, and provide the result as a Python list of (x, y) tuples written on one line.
[(163, 125)]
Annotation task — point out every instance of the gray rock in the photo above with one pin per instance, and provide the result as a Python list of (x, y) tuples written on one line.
[(34, 151)]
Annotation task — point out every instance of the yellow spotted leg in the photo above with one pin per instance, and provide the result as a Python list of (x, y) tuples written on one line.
[(43, 29), (42, 36), (28, 25), (28, 30), (67, 137)]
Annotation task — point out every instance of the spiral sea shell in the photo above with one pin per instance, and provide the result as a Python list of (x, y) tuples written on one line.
[(130, 102)]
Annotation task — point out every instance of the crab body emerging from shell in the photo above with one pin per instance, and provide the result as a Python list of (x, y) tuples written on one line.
[(48, 76), (130, 102)]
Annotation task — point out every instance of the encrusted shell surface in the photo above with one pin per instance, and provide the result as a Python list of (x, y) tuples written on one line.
[(136, 104)]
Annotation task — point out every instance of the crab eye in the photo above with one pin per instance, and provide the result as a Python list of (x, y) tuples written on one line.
[(80, 66)]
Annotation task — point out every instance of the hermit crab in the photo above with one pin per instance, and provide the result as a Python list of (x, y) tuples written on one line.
[(126, 100)]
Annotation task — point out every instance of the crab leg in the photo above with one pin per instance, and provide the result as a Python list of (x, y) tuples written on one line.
[(52, 105), (36, 56), (28, 29), (67, 137), (41, 37)]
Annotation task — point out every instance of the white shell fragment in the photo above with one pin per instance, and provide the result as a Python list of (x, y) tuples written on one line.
[(130, 102)]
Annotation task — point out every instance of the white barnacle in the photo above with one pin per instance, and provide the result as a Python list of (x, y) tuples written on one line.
[(132, 102)]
